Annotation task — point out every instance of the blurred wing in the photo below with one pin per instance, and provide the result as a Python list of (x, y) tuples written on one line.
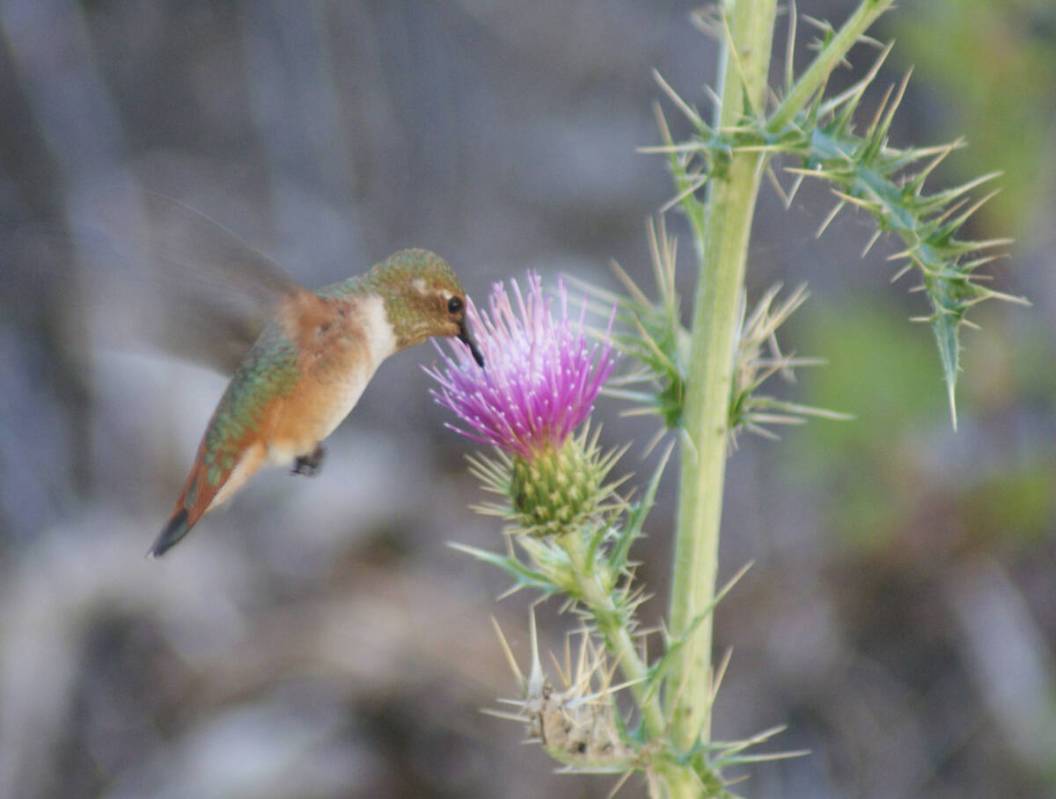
[(213, 292), (159, 274), (198, 247)]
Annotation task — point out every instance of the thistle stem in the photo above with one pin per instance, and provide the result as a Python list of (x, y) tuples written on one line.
[(723, 250), (721, 237), (610, 623)]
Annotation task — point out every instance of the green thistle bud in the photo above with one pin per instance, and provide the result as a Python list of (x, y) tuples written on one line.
[(558, 489), (555, 490)]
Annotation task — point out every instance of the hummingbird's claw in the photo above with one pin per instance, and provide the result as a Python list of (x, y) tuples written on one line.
[(310, 465)]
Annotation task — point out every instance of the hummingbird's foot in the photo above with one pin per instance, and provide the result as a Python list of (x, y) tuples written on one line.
[(310, 465)]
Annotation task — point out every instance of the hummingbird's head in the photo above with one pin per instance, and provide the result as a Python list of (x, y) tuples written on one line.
[(423, 298)]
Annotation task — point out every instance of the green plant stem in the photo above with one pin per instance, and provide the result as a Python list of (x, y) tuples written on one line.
[(745, 61), (610, 624), (722, 247), (815, 76)]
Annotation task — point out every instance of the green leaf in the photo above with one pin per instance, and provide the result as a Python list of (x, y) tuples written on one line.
[(867, 173), (632, 529), (945, 329), (523, 576)]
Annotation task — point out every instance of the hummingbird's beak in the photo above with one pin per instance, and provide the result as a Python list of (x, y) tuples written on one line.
[(465, 338)]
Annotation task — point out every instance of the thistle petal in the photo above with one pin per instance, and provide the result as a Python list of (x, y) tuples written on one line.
[(543, 372)]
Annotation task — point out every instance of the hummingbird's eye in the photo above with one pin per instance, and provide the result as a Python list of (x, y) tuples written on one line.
[(454, 305)]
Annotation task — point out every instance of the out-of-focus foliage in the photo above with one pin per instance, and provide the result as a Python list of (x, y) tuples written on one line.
[(1004, 498), (883, 371), (994, 76)]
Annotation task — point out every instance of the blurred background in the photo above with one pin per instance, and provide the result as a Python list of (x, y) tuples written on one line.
[(319, 638)]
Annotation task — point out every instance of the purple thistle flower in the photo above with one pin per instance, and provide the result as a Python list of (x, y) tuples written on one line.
[(542, 374)]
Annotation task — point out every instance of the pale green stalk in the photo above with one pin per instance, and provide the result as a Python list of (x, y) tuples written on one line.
[(722, 247), (744, 64)]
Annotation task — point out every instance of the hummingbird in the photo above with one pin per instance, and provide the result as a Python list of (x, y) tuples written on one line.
[(307, 369)]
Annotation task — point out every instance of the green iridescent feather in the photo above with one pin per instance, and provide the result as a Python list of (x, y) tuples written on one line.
[(268, 371)]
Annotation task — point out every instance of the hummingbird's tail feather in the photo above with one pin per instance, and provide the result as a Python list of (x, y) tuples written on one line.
[(199, 494), (195, 500), (178, 526), (206, 488)]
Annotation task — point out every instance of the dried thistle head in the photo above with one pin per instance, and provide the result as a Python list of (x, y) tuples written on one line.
[(576, 721)]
